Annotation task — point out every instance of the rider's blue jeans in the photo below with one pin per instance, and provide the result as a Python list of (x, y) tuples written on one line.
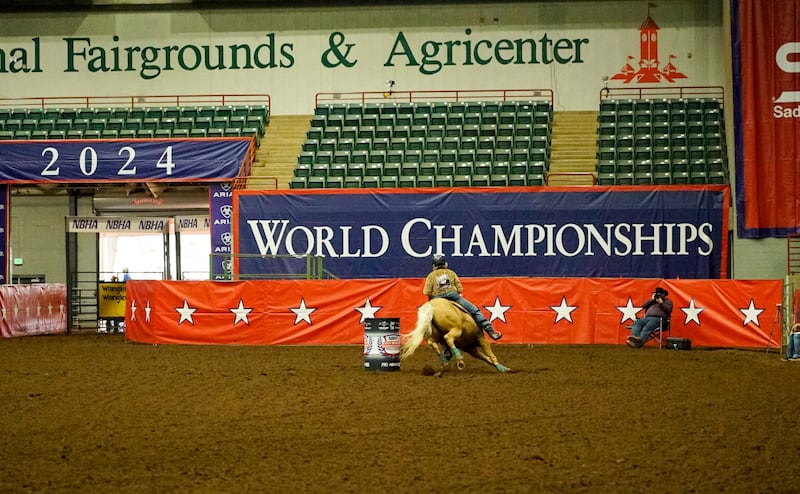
[(474, 311)]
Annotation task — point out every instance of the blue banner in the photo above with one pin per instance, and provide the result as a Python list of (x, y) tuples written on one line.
[(121, 160), (640, 232), (220, 212)]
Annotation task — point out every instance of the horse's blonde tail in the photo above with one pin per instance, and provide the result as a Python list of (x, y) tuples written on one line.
[(423, 329)]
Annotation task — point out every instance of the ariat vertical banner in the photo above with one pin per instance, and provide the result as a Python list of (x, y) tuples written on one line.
[(766, 64), (511, 231), (219, 205)]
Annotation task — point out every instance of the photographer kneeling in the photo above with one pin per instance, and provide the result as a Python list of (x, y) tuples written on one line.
[(657, 308)]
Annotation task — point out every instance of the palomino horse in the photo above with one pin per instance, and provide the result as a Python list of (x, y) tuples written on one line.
[(445, 325)]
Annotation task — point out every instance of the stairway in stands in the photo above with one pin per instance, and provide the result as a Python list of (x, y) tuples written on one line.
[(573, 152), (277, 155)]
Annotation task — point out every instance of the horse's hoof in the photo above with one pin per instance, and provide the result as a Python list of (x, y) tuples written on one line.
[(502, 368), (461, 365)]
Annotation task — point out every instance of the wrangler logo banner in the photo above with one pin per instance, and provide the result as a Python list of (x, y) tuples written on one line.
[(650, 232), (712, 313), (766, 74)]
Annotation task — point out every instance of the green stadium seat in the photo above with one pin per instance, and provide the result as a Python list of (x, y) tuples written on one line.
[(356, 169), (352, 182), (498, 180), (681, 177), (302, 170), (462, 180), (298, 183), (606, 178), (409, 169), (407, 181), (624, 178), (535, 179), (315, 182), (426, 181), (380, 144), (319, 170), (480, 180)]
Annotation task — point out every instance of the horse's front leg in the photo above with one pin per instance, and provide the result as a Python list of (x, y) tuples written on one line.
[(444, 356), (484, 352), (450, 339)]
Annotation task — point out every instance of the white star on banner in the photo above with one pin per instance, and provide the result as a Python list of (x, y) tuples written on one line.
[(497, 311), (628, 311), (302, 313), (241, 313), (692, 313), (751, 314), (563, 311), (367, 311), (4, 312), (147, 310), (186, 312), (133, 310)]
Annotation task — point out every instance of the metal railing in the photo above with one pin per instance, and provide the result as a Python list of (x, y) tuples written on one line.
[(270, 267), (436, 96)]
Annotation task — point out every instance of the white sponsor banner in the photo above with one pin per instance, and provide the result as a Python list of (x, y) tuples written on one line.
[(106, 224), (198, 223)]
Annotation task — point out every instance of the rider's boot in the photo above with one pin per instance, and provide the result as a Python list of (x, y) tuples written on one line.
[(493, 333)]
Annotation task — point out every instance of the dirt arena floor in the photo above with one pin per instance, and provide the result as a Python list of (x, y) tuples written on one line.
[(94, 413)]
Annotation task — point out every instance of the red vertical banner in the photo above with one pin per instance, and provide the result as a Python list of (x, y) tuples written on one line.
[(5, 195), (766, 73)]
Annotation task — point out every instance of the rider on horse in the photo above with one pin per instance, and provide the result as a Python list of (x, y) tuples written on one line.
[(444, 283)]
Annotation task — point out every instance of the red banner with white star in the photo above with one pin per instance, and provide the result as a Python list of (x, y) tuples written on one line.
[(712, 313)]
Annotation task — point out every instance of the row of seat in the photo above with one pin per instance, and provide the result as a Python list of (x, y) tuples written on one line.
[(27, 135), (103, 124), (424, 156), (703, 139), (423, 143), (675, 128), (136, 112), (697, 177), (131, 123), (418, 108), (498, 180), (508, 118), (428, 131), (628, 104), (415, 169)]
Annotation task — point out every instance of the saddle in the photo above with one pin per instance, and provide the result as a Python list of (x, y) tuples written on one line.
[(458, 306)]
